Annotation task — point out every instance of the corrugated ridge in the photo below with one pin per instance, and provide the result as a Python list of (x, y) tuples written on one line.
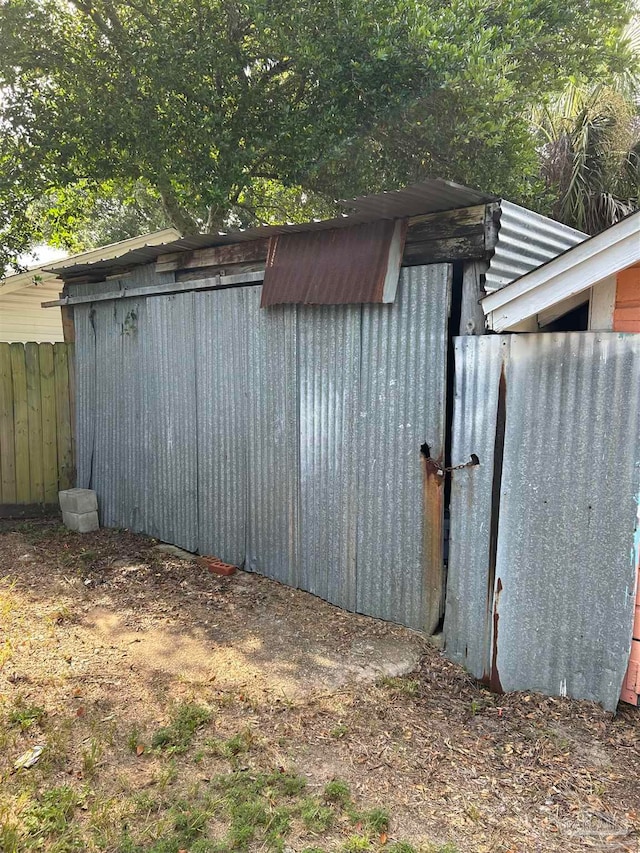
[(427, 196), (401, 407), (328, 383), (171, 405), (564, 578), (467, 625), (572, 474), (273, 452), (525, 241), (85, 395), (222, 330)]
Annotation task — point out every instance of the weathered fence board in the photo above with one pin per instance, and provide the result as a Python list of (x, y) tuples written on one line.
[(7, 449), (34, 414), (36, 427)]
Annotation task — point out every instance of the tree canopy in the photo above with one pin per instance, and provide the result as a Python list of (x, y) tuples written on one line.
[(213, 113)]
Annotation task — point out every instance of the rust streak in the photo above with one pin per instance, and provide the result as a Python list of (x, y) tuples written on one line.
[(433, 533), (494, 676)]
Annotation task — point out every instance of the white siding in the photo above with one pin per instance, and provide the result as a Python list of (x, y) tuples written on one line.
[(22, 319)]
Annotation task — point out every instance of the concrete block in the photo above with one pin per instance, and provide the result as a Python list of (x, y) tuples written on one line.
[(81, 522), (78, 500)]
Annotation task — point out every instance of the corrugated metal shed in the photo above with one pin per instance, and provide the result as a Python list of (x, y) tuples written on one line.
[(525, 241), (273, 528), (342, 266), (560, 608), (279, 444), (427, 196)]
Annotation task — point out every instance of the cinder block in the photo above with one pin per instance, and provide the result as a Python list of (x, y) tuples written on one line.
[(81, 522), (78, 500)]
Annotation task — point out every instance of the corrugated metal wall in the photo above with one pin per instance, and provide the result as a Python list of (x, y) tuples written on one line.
[(287, 438), (273, 530), (561, 604), (402, 406), (478, 363), (172, 408), (221, 334), (329, 355)]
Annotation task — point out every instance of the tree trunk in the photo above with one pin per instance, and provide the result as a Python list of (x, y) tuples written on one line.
[(178, 216)]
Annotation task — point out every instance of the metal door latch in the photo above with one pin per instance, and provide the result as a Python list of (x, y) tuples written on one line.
[(441, 470)]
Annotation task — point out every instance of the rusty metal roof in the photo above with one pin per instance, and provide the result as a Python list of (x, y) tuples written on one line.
[(425, 197), (341, 266)]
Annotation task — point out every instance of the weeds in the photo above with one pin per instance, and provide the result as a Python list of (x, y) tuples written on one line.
[(237, 745), (133, 741), (24, 716), (400, 686), (376, 820), (88, 556), (339, 731), (49, 818), (90, 759), (338, 792), (356, 843), (6, 652), (316, 816), (176, 738)]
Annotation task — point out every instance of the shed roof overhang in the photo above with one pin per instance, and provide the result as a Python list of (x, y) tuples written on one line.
[(48, 272), (563, 278), (427, 197)]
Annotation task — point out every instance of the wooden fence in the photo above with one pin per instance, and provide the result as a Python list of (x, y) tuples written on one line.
[(37, 410)]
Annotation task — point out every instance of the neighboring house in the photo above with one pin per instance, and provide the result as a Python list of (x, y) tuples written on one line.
[(22, 318), (595, 285)]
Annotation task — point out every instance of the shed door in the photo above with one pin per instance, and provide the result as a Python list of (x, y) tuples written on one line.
[(541, 574)]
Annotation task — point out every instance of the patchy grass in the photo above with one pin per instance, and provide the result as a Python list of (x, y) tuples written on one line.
[(179, 711), (176, 737), (337, 792), (24, 716)]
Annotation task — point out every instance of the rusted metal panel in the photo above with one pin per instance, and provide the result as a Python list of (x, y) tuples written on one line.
[(347, 265), (402, 408), (563, 591)]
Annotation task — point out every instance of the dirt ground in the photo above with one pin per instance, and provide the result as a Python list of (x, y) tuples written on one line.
[(104, 639)]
